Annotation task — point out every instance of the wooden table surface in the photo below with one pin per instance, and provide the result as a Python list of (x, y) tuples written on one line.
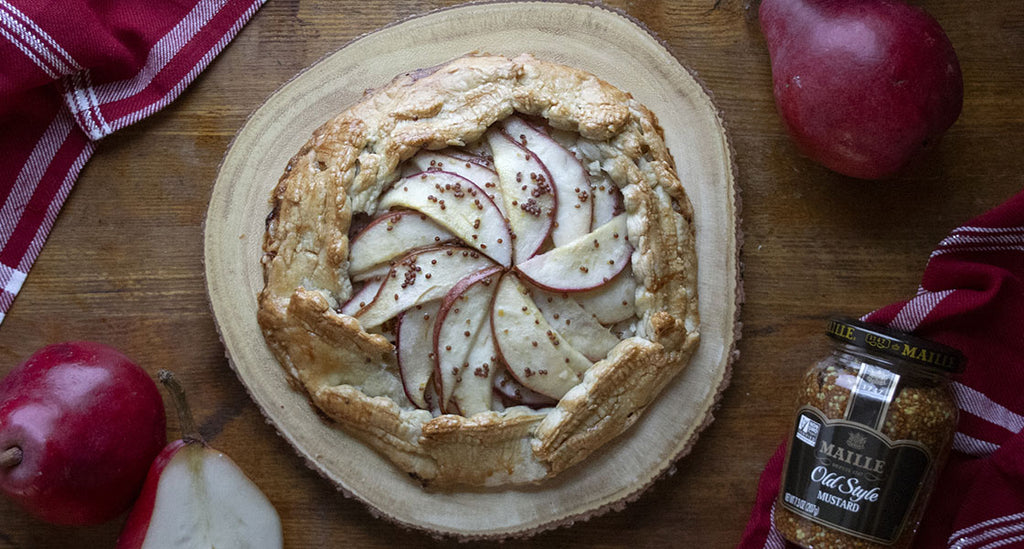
[(123, 264)]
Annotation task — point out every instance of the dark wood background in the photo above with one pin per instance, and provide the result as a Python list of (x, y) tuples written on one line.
[(123, 264)]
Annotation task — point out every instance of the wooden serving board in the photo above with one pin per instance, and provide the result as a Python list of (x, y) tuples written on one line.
[(588, 37)]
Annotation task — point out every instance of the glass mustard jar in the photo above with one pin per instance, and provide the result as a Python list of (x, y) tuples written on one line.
[(874, 424)]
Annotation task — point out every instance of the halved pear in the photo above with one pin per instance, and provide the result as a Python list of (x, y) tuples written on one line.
[(534, 353), (458, 205), (414, 347), (195, 496), (530, 201), (461, 317), (574, 215), (392, 235), (419, 277), (590, 261)]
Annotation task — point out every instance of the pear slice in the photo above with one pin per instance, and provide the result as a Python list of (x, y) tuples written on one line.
[(613, 302), (461, 318), (607, 199), (473, 393), (530, 201), (513, 393), (571, 184), (534, 353), (472, 167), (419, 277), (364, 296), (392, 235), (588, 262), (574, 323), (459, 206), (414, 335)]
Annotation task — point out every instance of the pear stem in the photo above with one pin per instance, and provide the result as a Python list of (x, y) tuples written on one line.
[(11, 457), (187, 423)]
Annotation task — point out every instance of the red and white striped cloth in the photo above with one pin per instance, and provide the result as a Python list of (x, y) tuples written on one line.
[(972, 298), (72, 72)]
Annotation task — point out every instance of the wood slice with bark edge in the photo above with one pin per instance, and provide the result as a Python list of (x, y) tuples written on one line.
[(591, 38)]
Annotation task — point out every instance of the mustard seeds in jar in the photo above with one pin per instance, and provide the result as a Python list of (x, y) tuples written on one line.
[(874, 424)]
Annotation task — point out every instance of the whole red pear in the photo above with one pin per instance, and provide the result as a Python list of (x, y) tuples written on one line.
[(80, 425), (863, 86)]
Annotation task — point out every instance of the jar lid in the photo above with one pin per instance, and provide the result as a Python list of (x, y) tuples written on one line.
[(889, 342)]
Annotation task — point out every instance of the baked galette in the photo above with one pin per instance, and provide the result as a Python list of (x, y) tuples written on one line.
[(484, 270)]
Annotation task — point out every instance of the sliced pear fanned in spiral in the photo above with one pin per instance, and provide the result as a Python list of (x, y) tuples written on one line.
[(590, 261), (419, 277), (459, 206), (534, 353)]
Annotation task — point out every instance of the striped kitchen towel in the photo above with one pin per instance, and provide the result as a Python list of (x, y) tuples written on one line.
[(74, 71), (972, 298)]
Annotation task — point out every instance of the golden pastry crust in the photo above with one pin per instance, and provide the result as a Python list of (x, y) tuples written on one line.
[(351, 375)]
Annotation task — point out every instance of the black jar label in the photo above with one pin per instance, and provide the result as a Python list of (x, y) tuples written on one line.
[(852, 478)]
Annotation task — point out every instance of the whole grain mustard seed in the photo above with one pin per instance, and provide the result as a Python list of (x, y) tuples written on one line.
[(875, 421)]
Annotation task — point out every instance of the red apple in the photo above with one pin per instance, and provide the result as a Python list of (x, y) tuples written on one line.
[(863, 86), (79, 426)]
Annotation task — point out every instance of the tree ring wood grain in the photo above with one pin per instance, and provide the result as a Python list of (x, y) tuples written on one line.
[(592, 38)]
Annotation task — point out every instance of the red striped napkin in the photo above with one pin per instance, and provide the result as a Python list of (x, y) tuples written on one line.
[(972, 298), (74, 71)]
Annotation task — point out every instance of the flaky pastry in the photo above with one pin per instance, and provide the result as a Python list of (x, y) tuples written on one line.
[(356, 167)]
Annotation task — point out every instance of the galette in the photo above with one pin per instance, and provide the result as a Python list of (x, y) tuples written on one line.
[(485, 270)]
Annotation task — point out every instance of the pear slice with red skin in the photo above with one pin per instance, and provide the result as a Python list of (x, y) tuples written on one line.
[(459, 206), (482, 156), (473, 393), (588, 262), (513, 393), (392, 235), (525, 184), (574, 215), (414, 334), (471, 167), (613, 302), (195, 496), (462, 316), (363, 296), (607, 199), (419, 277), (478, 149), (533, 352), (579, 327)]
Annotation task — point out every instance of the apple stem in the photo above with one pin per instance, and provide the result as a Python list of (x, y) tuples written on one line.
[(187, 423), (11, 457)]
